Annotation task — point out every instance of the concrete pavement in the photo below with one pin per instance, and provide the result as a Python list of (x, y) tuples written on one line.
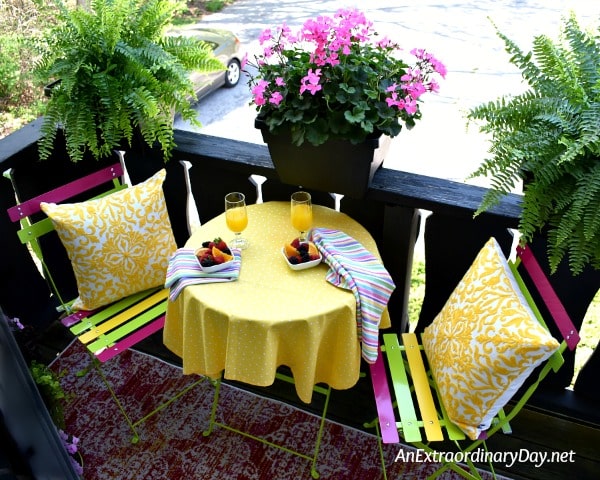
[(459, 33)]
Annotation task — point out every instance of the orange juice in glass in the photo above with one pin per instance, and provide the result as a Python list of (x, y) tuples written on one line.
[(236, 218), (301, 213)]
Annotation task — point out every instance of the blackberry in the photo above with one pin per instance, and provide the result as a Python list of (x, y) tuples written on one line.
[(305, 257), (205, 244), (207, 261), (302, 248), (293, 260)]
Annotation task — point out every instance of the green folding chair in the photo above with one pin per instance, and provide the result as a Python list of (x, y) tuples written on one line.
[(416, 411), (109, 330)]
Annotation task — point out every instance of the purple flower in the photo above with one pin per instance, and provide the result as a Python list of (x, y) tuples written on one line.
[(17, 323)]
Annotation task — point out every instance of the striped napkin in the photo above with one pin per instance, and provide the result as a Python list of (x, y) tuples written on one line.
[(184, 269), (354, 268)]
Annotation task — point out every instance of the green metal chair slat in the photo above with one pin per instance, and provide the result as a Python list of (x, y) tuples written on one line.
[(108, 339), (109, 312), (409, 421)]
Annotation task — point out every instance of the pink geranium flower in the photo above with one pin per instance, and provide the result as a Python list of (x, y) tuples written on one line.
[(311, 82), (335, 74)]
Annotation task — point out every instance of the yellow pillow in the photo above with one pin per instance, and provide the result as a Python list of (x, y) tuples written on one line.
[(119, 244), (484, 343)]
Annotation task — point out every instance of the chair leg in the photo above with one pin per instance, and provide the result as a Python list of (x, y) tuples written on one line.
[(380, 446), (213, 410), (168, 402), (313, 471), (136, 436), (471, 474), (132, 425)]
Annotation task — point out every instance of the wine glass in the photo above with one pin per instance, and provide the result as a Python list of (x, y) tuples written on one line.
[(301, 213), (236, 218)]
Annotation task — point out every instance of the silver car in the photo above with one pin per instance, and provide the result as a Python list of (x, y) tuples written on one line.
[(227, 48)]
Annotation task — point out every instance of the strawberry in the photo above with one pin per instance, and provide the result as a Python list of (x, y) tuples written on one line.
[(220, 244), (295, 243)]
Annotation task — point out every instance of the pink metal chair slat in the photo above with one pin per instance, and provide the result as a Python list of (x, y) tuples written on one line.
[(64, 192), (132, 339), (555, 306), (383, 401), (76, 317)]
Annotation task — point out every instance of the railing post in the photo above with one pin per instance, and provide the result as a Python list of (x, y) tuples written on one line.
[(400, 232)]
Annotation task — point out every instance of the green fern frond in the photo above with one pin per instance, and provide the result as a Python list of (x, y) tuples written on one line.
[(529, 69), (551, 135), (117, 71)]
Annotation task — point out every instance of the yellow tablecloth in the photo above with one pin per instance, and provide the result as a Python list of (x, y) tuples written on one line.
[(272, 315)]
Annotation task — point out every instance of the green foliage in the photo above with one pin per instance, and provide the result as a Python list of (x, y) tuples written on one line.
[(417, 292), (20, 99), (117, 70), (48, 384), (550, 136), (9, 65), (215, 5)]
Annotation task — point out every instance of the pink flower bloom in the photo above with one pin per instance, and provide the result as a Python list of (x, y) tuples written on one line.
[(439, 67), (244, 60), (279, 81), (392, 101), (265, 36), (276, 98), (411, 106), (333, 59), (313, 82), (385, 42), (258, 91), (259, 99), (285, 31), (415, 90)]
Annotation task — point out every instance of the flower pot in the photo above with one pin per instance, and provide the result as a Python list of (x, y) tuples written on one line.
[(337, 166)]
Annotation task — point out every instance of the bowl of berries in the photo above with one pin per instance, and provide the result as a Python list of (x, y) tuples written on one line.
[(214, 256), (301, 255)]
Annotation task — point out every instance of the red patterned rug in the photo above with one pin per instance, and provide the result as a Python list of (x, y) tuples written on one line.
[(171, 443)]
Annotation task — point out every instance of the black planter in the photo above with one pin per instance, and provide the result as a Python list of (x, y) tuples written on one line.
[(337, 166)]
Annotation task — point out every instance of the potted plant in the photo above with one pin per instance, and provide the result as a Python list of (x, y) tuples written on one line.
[(549, 136), (332, 81), (117, 72)]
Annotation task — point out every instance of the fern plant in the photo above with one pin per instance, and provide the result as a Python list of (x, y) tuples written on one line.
[(550, 136), (118, 70)]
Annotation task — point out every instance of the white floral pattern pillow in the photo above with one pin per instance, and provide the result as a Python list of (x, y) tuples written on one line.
[(484, 343), (119, 244)]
